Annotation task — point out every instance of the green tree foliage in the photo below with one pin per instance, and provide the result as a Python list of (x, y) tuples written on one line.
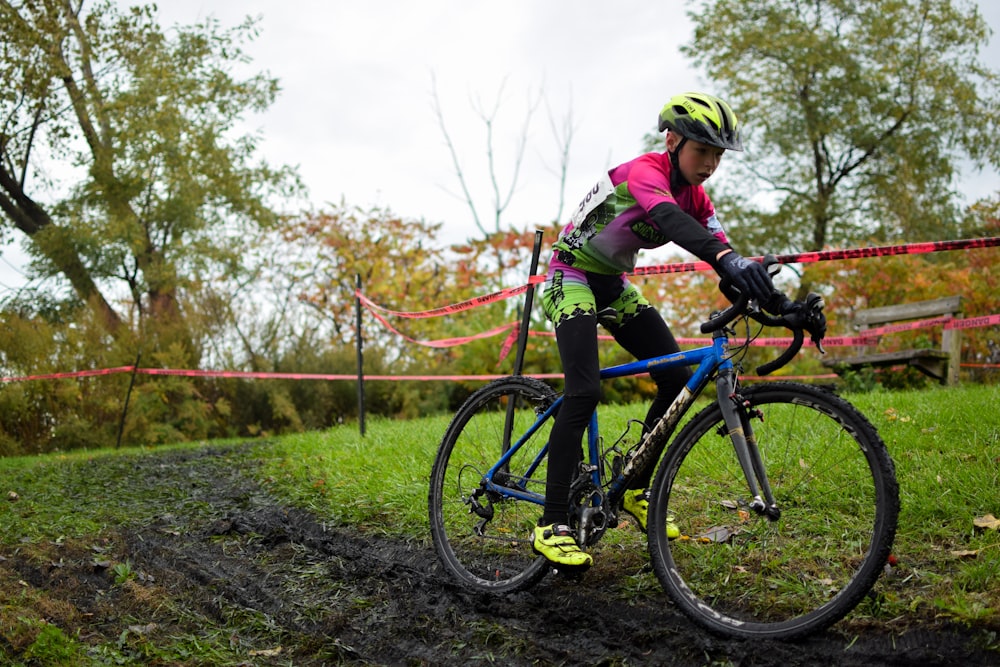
[(404, 268), (399, 263), (859, 113), (144, 209), (155, 238), (119, 161)]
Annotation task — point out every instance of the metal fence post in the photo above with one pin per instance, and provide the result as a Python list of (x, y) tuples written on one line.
[(529, 296), (361, 359)]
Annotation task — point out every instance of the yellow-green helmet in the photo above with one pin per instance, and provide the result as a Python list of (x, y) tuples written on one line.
[(703, 118)]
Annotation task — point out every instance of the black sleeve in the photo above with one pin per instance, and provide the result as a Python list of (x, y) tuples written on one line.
[(687, 232)]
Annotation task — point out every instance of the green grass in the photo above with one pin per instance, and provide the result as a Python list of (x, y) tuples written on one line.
[(378, 481), (81, 493), (945, 442)]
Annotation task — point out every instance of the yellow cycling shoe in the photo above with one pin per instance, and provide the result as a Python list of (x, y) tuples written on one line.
[(636, 503), (558, 545)]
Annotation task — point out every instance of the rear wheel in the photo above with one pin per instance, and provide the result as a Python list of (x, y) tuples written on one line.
[(740, 573), (482, 536)]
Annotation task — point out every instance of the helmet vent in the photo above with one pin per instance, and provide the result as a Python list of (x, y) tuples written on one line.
[(726, 126)]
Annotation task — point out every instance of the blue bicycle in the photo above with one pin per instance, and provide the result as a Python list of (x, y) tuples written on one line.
[(785, 494)]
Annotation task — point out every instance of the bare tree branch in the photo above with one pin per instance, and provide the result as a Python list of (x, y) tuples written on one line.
[(436, 104), (563, 134)]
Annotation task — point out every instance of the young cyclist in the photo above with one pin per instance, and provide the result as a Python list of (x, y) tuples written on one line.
[(645, 203)]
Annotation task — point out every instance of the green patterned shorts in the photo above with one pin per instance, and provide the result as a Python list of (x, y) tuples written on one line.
[(567, 297)]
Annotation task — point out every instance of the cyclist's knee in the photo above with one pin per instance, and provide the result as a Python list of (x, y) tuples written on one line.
[(669, 382), (582, 399)]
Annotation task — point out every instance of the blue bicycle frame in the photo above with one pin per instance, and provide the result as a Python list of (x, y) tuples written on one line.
[(707, 359)]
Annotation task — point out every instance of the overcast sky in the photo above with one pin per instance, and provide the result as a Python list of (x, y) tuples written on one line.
[(355, 114), (356, 111)]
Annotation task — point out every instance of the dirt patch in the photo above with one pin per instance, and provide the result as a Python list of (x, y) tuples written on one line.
[(281, 587)]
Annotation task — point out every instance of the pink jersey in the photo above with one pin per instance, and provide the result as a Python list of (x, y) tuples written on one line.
[(612, 222)]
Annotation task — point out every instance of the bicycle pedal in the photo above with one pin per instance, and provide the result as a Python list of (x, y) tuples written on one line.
[(570, 573)]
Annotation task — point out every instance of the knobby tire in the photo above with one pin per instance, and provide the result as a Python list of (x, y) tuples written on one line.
[(740, 574), (489, 548)]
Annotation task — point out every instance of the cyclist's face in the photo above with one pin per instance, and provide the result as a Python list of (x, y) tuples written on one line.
[(697, 161)]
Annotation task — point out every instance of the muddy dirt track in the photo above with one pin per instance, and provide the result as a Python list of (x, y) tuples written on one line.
[(294, 591)]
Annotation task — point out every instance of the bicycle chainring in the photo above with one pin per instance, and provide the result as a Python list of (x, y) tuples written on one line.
[(587, 508)]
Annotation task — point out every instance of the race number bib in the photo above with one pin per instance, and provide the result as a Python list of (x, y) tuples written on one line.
[(597, 195)]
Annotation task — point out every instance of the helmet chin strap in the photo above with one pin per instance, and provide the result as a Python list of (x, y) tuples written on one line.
[(677, 179)]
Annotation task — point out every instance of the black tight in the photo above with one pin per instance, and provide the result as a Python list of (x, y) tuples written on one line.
[(645, 335)]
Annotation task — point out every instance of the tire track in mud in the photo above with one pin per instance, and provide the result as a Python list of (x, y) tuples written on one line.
[(217, 554), (337, 593)]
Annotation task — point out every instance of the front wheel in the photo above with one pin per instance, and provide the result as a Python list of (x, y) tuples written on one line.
[(745, 574), (482, 527)]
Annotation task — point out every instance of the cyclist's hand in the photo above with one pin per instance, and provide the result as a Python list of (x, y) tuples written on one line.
[(750, 278)]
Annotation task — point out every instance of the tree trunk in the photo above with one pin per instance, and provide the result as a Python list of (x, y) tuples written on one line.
[(55, 245)]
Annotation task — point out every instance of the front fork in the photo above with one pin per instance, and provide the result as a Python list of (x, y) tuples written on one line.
[(740, 431)]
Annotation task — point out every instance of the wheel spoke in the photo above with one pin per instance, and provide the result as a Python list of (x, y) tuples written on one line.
[(835, 488), (480, 533)]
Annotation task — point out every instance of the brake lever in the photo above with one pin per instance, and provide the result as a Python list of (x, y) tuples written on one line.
[(797, 321), (814, 307), (772, 264)]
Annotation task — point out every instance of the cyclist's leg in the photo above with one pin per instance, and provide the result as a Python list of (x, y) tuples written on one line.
[(570, 305), (577, 341), (642, 331)]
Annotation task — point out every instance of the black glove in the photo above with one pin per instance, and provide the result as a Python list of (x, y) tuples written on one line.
[(750, 278)]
